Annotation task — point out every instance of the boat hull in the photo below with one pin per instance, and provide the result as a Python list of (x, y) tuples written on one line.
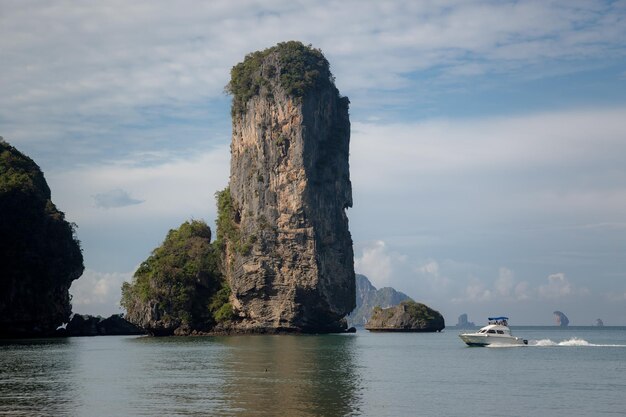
[(475, 339)]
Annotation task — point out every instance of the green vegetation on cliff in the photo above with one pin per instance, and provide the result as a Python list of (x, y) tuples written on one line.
[(40, 255), (298, 69), (180, 286), (227, 228)]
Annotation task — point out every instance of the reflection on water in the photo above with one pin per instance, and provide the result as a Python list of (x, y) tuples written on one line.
[(36, 377), (334, 375), (294, 375), (242, 375)]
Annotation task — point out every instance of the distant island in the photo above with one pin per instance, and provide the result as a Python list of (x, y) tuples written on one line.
[(40, 254), (408, 316), (463, 322), (368, 297), (561, 319)]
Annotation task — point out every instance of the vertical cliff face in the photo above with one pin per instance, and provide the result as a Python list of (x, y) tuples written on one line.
[(39, 254), (289, 258)]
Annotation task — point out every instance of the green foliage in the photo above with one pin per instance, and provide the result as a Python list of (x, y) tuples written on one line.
[(182, 277), (39, 253), (419, 310), (227, 225), (227, 230), (300, 69), (219, 306)]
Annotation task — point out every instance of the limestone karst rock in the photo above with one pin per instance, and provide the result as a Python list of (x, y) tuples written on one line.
[(288, 251), (408, 316), (39, 254), (179, 289), (368, 297), (464, 323), (561, 319)]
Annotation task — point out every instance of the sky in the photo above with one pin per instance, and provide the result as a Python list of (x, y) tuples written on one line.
[(487, 154)]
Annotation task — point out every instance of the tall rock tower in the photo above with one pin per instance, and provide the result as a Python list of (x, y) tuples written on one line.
[(289, 258)]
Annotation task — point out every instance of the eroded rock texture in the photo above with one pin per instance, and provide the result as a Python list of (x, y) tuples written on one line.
[(408, 316), (289, 258)]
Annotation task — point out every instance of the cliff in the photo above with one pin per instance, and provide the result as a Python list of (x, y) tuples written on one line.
[(409, 316), (283, 224), (39, 254), (368, 297), (179, 289)]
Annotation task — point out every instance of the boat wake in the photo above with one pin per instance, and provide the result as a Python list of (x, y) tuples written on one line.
[(574, 341)]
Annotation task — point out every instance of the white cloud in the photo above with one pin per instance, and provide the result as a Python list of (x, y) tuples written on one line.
[(431, 268), (546, 140), (476, 291), (375, 263), (115, 198), (70, 67), (98, 293), (378, 263), (544, 170), (559, 287), (431, 279), (504, 283), (616, 296), (183, 186)]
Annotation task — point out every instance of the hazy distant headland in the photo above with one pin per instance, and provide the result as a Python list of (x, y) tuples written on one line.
[(368, 297)]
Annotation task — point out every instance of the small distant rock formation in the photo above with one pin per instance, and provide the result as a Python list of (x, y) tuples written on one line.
[(40, 255), (368, 297), (599, 323), (86, 325), (288, 250), (408, 316), (463, 323), (561, 319)]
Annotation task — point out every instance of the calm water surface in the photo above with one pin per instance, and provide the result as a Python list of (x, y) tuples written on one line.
[(574, 372)]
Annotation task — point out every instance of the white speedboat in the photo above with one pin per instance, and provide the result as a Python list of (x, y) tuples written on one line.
[(497, 332)]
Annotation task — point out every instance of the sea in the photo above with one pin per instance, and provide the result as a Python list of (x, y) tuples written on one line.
[(573, 371)]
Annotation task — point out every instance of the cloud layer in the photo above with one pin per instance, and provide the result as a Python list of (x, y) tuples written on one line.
[(487, 141)]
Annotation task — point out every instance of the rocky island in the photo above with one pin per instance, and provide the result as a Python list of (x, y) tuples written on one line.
[(288, 254), (408, 316), (561, 319), (368, 297), (179, 289), (283, 259), (40, 255)]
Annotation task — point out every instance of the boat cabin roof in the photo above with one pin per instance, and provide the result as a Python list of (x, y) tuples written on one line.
[(495, 328)]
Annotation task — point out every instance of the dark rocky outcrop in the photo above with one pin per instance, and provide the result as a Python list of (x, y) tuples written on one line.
[(463, 322), (179, 289), (283, 224), (408, 316), (368, 297), (561, 319), (86, 325), (39, 253)]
